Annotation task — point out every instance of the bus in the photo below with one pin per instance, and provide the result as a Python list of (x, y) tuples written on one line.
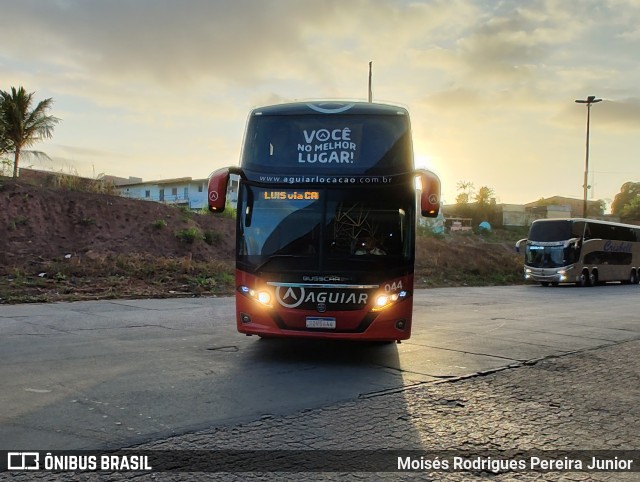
[(586, 252), (326, 215)]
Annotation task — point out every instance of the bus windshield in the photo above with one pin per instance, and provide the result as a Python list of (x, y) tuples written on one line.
[(321, 144), (324, 229), (549, 256)]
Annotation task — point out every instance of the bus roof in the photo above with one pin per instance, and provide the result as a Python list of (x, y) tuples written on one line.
[(586, 220), (330, 107)]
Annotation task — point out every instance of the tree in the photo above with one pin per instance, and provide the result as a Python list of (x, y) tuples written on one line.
[(4, 142), (22, 126), (466, 189), (484, 196), (596, 208), (4, 149), (631, 210), (629, 192)]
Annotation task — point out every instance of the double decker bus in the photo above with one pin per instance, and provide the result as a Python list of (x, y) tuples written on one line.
[(326, 213), (581, 251)]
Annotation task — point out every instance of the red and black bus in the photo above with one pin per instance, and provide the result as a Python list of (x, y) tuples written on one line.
[(326, 220)]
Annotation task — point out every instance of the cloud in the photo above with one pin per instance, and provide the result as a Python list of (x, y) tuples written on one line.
[(624, 113), (149, 82), (238, 42), (161, 40), (512, 44)]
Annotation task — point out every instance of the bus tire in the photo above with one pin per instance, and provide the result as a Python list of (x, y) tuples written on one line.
[(633, 278), (594, 278), (585, 279)]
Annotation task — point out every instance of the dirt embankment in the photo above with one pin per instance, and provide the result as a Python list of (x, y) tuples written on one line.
[(60, 244), (68, 245)]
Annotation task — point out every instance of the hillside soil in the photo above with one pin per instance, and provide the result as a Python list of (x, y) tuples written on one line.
[(64, 245)]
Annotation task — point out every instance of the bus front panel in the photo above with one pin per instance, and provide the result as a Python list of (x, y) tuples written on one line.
[(326, 262), (324, 310)]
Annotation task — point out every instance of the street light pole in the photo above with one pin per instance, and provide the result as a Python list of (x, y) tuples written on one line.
[(590, 100)]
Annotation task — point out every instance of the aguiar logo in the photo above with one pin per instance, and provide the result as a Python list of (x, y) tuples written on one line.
[(292, 298), (295, 296)]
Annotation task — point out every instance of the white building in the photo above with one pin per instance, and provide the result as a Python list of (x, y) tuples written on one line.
[(183, 191)]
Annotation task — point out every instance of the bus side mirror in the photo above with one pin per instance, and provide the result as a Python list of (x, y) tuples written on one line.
[(430, 195), (217, 190), (524, 240), (573, 243)]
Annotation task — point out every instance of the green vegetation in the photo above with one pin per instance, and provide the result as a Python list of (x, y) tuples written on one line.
[(627, 202), (212, 237), (86, 221), (229, 211), (483, 207), (159, 224), (189, 235), (17, 222), (186, 212)]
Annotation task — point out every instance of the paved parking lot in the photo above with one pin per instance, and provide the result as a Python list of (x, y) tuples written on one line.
[(583, 401), (554, 370)]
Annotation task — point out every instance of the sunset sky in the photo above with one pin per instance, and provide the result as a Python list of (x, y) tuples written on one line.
[(161, 88)]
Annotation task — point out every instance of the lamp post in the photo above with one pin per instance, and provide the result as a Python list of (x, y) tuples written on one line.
[(590, 100)]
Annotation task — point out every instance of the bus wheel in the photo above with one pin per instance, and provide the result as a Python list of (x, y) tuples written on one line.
[(633, 279), (585, 278), (544, 283), (593, 280)]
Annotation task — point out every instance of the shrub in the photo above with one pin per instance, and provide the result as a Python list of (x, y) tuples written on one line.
[(86, 221), (212, 237), (159, 224), (185, 212), (189, 235), (15, 223)]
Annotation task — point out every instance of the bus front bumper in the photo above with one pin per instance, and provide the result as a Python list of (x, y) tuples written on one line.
[(548, 275)]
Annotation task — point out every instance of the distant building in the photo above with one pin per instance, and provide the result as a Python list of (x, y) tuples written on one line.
[(519, 215), (120, 181), (183, 191), (575, 206), (510, 215)]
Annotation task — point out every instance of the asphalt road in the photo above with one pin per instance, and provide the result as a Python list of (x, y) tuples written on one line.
[(107, 374)]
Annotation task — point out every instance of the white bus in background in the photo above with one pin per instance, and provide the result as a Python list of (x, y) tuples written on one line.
[(581, 251)]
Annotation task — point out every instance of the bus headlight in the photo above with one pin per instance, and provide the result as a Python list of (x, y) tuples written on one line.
[(384, 301), (262, 297)]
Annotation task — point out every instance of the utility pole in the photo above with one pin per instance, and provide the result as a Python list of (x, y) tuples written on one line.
[(370, 92), (590, 100)]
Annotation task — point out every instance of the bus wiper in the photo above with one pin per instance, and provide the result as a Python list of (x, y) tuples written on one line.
[(278, 256)]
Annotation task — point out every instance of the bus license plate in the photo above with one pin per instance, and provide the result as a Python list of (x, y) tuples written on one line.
[(321, 322)]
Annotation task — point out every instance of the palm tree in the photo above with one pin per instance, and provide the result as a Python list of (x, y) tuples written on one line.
[(466, 188), (20, 126), (4, 142)]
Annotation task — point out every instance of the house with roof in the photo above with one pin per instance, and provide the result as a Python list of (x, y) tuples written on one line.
[(182, 191)]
